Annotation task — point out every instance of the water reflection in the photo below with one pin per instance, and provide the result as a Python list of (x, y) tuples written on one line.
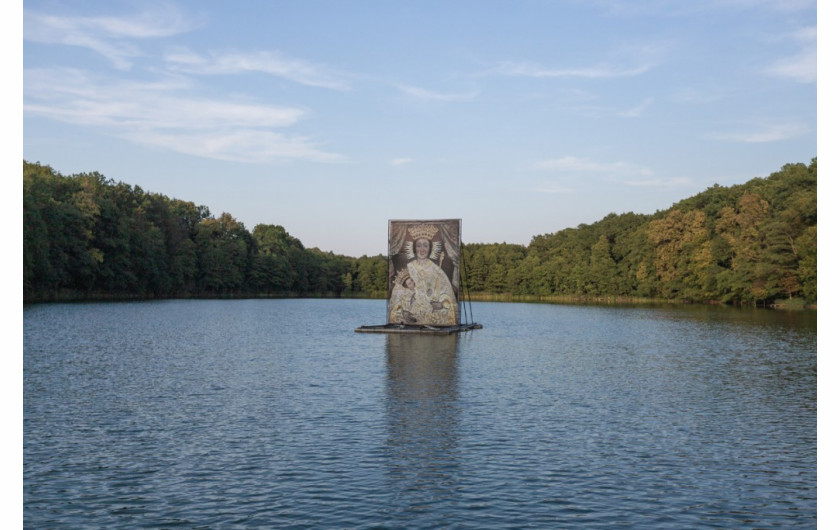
[(423, 417)]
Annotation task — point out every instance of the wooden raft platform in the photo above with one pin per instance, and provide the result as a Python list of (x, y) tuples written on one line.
[(432, 330)]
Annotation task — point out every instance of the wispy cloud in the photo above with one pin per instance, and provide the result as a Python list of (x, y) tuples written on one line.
[(429, 95), (159, 114), (621, 172), (266, 62), (676, 8), (630, 60), (572, 164), (110, 36), (401, 161), (238, 145), (638, 110), (776, 5), (696, 96), (553, 189), (675, 182), (773, 133), (802, 66), (530, 69)]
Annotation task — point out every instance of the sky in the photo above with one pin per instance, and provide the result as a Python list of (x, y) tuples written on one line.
[(329, 118)]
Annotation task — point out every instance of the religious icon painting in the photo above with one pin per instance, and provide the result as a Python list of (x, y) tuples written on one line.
[(424, 272)]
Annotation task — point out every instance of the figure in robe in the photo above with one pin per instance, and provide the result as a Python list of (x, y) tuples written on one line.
[(434, 302)]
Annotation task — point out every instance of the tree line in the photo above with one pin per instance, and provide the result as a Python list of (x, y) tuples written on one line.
[(86, 236), (754, 243)]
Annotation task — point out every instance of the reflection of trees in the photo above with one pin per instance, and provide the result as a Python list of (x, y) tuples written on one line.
[(423, 415)]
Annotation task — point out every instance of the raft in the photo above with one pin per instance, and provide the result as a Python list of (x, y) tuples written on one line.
[(424, 329)]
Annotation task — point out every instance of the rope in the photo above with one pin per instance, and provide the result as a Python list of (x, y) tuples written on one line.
[(466, 286)]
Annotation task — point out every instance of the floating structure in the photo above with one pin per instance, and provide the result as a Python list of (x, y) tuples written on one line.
[(424, 279), (402, 328)]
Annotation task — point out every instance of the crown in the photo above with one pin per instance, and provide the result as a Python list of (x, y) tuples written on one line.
[(423, 231), (401, 277)]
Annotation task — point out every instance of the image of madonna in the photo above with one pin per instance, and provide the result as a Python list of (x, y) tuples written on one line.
[(424, 273)]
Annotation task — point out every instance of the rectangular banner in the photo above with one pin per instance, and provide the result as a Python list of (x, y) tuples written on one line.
[(424, 272)]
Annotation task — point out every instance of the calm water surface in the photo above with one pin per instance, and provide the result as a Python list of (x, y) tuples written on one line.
[(274, 413)]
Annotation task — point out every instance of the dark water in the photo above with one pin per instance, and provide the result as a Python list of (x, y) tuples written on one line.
[(274, 413)]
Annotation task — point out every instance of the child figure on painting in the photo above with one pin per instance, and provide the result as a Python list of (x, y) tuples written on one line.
[(402, 298)]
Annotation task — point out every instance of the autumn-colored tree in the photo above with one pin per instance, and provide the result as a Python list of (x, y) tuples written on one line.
[(87, 236)]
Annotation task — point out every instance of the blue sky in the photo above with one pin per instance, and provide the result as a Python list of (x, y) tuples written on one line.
[(329, 118)]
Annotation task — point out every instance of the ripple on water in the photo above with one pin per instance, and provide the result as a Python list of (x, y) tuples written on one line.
[(266, 413)]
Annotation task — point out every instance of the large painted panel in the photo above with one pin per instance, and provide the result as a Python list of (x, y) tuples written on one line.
[(424, 272)]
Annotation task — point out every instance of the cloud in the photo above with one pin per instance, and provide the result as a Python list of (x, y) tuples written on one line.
[(238, 145), (785, 6), (428, 95), (802, 66), (676, 8), (158, 114), (553, 189), (674, 182), (266, 62), (109, 36), (630, 60), (696, 96), (638, 110), (114, 38), (81, 98), (583, 165), (624, 172), (773, 133), (401, 161), (529, 69)]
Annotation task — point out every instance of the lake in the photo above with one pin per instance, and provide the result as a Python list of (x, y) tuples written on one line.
[(274, 413)]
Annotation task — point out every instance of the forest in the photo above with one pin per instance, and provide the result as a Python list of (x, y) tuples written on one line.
[(88, 237)]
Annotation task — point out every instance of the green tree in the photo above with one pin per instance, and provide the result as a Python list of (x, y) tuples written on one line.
[(224, 250), (681, 253), (86, 235), (273, 271), (603, 273)]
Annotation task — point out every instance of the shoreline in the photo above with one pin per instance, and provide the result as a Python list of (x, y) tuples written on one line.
[(72, 297)]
